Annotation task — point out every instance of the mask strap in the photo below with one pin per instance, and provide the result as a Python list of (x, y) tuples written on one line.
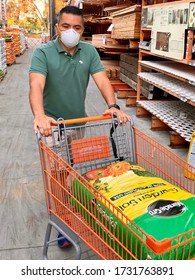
[(58, 29)]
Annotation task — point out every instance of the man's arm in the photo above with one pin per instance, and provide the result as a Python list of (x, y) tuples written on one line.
[(106, 89), (41, 121)]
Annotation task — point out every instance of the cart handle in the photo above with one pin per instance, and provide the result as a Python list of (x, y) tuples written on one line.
[(86, 119)]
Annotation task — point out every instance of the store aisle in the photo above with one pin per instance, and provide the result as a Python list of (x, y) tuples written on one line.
[(23, 216)]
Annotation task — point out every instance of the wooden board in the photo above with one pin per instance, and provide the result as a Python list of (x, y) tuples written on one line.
[(126, 23), (105, 41)]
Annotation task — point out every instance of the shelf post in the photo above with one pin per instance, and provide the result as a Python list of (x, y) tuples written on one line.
[(189, 45)]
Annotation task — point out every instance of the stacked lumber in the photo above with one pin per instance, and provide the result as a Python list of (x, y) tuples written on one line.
[(126, 23), (110, 45), (112, 68), (97, 20), (112, 9), (129, 71), (98, 40)]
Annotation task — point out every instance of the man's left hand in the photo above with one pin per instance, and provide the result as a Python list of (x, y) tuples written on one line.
[(122, 116)]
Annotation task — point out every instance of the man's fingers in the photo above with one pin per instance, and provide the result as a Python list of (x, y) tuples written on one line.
[(44, 125), (35, 128), (53, 121), (122, 117)]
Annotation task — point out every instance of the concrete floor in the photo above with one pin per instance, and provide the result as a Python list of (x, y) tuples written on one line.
[(23, 215)]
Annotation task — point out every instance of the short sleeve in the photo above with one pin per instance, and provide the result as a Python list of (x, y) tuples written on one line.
[(38, 62)]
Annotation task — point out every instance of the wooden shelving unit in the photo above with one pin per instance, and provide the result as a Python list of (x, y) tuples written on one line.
[(174, 76)]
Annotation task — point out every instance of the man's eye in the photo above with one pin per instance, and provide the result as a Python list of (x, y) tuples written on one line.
[(78, 29), (64, 27)]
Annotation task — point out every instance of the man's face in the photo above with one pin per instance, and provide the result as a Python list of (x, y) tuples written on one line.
[(68, 21)]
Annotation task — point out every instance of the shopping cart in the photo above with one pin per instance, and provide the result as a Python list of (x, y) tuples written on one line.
[(79, 146)]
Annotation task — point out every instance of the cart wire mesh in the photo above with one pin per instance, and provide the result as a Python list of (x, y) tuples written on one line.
[(75, 210)]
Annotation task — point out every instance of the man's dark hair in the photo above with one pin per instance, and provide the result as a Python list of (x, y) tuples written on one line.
[(70, 10)]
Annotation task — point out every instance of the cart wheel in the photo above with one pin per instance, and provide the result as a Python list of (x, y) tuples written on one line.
[(63, 242)]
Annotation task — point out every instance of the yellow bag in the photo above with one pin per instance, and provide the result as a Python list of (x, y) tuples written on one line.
[(190, 171)]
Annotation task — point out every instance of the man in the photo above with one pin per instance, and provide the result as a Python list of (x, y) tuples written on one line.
[(59, 76), (60, 72)]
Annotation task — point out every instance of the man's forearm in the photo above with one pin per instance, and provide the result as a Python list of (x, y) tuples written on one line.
[(105, 87), (36, 103), (36, 83)]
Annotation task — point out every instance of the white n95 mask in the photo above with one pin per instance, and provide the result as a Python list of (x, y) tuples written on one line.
[(70, 38)]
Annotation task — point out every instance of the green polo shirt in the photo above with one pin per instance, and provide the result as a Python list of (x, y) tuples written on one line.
[(67, 77)]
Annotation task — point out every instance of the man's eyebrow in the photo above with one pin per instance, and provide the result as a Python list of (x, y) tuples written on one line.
[(76, 25)]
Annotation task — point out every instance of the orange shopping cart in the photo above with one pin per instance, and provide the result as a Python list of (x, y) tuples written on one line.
[(122, 193)]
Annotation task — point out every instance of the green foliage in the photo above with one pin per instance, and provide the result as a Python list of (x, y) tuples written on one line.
[(30, 25), (27, 14)]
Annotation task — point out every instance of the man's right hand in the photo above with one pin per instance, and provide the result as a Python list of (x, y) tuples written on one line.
[(44, 124)]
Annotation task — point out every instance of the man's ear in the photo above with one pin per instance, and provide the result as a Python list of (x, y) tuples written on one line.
[(57, 28), (82, 31)]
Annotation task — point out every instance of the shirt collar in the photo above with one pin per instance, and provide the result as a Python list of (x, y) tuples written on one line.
[(60, 49)]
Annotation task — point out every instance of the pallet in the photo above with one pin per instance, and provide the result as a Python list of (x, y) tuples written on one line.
[(112, 73), (157, 124), (141, 112), (176, 141), (118, 84), (10, 64), (124, 93), (131, 101)]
